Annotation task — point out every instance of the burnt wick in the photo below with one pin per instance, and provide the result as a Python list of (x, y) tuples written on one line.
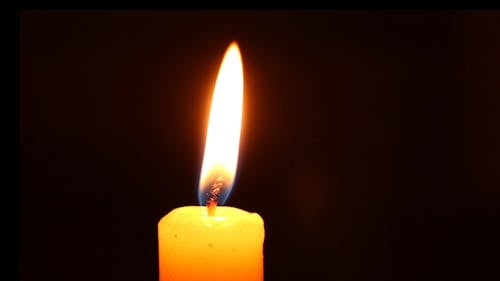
[(213, 195)]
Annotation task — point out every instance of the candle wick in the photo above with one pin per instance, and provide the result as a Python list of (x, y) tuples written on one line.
[(213, 195)]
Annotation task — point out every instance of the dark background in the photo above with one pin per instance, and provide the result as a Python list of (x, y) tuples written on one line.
[(370, 142)]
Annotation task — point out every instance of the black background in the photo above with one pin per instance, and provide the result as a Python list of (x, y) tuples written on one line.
[(370, 142)]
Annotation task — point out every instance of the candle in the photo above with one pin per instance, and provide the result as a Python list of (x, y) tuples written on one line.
[(211, 242)]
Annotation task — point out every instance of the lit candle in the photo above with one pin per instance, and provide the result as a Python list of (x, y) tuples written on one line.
[(211, 242)]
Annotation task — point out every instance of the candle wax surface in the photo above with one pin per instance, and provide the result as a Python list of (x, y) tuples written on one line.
[(226, 246)]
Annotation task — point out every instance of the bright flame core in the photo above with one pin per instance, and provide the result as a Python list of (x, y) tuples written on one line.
[(224, 126)]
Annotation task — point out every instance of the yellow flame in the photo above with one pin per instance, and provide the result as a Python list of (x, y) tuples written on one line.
[(224, 124)]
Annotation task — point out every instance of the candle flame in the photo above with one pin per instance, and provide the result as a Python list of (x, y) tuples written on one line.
[(223, 135)]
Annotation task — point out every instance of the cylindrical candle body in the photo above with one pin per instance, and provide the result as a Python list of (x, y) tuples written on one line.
[(195, 246)]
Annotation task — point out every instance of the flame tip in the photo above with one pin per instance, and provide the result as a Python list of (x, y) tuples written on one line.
[(234, 45)]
